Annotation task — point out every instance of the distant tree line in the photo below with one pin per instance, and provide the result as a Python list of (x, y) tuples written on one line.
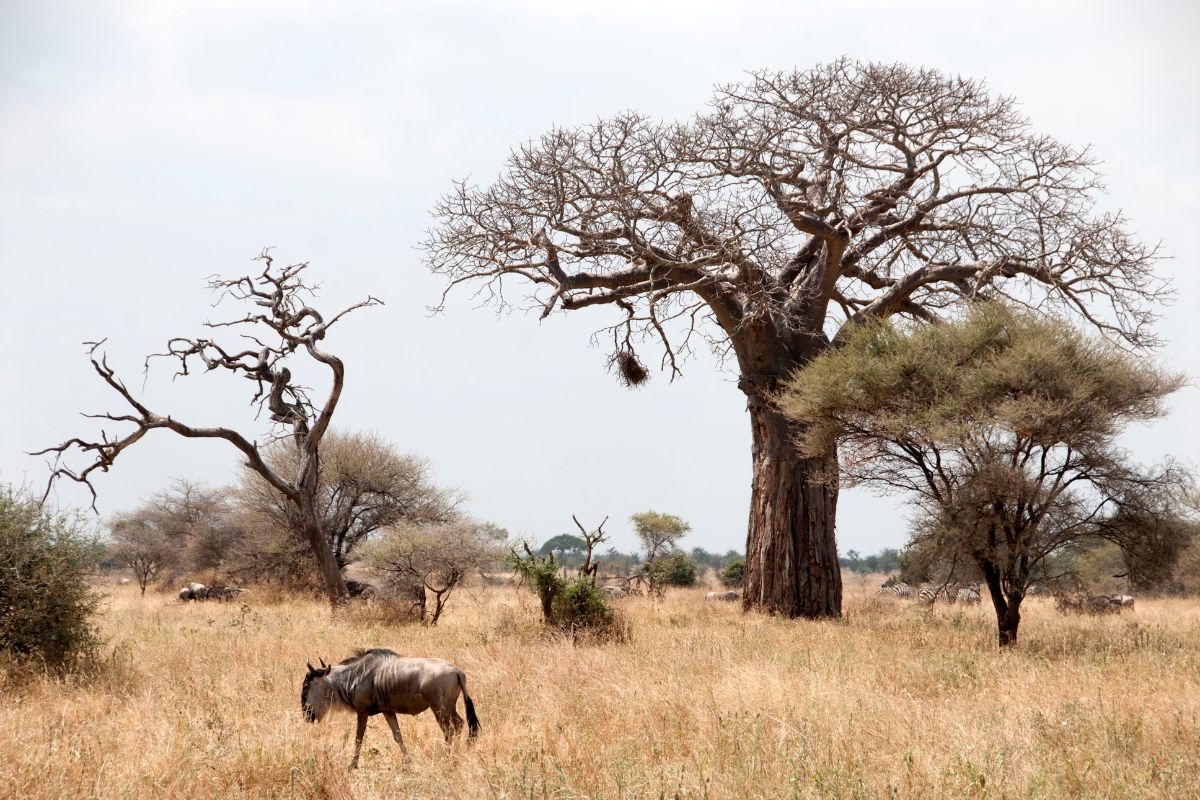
[(886, 560), (661, 561)]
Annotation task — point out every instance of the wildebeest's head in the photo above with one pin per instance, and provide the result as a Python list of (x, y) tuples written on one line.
[(314, 693)]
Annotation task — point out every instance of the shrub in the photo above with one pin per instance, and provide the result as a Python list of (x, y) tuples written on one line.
[(580, 604), (673, 569), (733, 574), (575, 605), (46, 603)]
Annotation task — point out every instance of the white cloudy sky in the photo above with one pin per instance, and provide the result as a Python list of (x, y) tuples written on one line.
[(146, 145)]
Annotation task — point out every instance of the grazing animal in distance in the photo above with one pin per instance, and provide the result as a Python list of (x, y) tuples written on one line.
[(726, 597), (898, 589), (193, 591), (381, 681), (615, 591), (1122, 600), (970, 595)]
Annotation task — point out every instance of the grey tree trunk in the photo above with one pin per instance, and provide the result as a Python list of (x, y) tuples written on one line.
[(318, 542), (791, 547)]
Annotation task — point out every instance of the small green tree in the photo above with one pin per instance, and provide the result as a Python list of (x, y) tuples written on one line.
[(567, 549), (659, 534), (1001, 429), (47, 560), (672, 569), (733, 573)]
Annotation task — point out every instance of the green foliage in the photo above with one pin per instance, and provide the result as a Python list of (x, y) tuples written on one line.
[(733, 574), (886, 560), (542, 578), (579, 604), (570, 604), (1001, 427), (998, 370), (658, 532), (47, 561), (673, 569), (567, 549)]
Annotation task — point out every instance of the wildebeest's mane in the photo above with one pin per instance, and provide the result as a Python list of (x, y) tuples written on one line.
[(361, 653), (304, 707)]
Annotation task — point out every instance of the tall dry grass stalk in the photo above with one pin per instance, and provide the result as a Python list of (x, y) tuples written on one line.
[(702, 702)]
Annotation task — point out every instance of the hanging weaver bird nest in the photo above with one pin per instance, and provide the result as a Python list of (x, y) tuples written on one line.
[(630, 370)]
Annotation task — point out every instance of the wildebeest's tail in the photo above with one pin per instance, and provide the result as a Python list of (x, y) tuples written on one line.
[(472, 720)]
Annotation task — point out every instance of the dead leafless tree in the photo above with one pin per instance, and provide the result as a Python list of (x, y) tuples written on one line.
[(795, 203), (290, 327), (590, 540)]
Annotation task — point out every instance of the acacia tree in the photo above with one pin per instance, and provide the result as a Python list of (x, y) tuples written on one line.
[(365, 484), (430, 560), (795, 202), (291, 327), (142, 546), (1000, 429)]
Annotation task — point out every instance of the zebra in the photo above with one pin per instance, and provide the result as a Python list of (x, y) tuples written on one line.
[(896, 588), (969, 594)]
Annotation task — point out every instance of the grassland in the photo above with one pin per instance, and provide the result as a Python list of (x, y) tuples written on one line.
[(202, 701)]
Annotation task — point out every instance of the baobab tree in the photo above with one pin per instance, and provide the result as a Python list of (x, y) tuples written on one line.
[(795, 203), (291, 327)]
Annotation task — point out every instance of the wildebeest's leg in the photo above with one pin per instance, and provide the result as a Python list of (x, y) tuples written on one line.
[(358, 737), (395, 726), (456, 721), (443, 718)]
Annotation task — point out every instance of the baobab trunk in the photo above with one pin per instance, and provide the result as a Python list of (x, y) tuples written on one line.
[(791, 548)]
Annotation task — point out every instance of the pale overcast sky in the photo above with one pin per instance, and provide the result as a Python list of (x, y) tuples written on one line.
[(147, 145)]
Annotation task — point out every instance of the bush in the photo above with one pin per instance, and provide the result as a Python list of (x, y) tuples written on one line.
[(575, 605), (733, 574), (673, 569), (46, 601), (580, 604)]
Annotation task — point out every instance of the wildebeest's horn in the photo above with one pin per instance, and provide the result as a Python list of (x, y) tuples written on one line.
[(323, 664), (310, 666)]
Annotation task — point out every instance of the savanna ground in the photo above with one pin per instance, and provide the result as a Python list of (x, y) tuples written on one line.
[(701, 701)]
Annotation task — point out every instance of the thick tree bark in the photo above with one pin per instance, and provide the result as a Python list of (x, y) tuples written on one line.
[(791, 548)]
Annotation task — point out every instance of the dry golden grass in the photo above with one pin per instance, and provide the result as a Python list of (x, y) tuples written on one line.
[(202, 701)]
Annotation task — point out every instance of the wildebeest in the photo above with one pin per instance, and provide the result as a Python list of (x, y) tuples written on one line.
[(615, 591), (1084, 603), (225, 593), (728, 597), (193, 591), (198, 591), (381, 681)]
